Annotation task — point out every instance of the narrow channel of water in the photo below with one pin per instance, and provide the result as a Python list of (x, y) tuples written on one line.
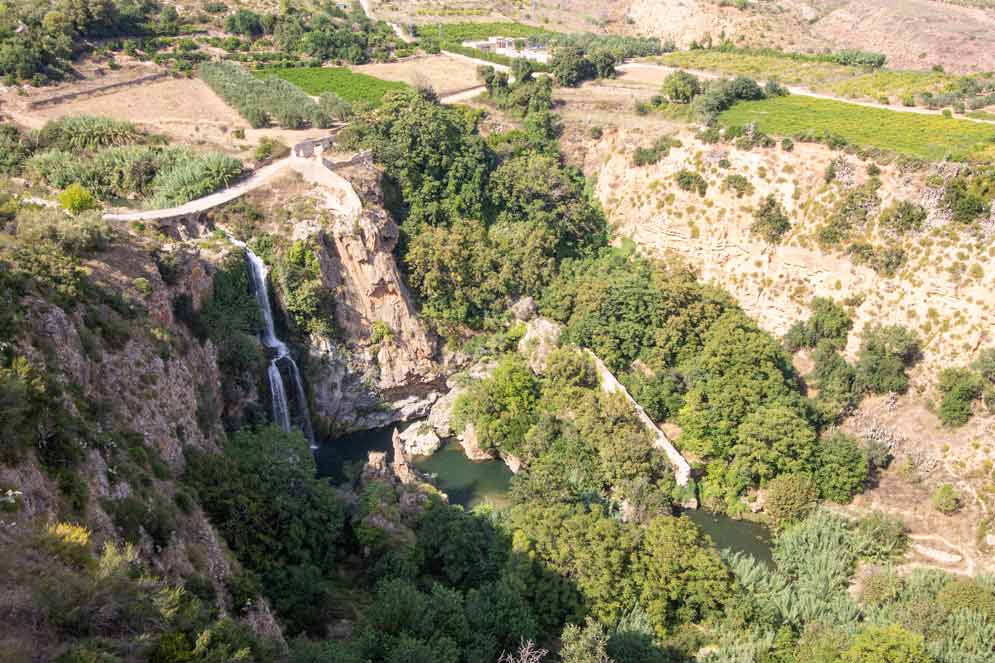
[(469, 483)]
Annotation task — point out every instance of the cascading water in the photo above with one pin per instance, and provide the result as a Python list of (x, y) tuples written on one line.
[(281, 353)]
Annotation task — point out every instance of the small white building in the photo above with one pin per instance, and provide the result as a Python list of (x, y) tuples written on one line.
[(508, 46)]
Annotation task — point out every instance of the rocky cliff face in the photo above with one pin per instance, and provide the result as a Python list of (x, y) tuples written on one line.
[(384, 369), (156, 389), (942, 291)]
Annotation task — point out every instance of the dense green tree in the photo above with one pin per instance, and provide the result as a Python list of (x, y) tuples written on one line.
[(682, 579), (681, 87), (829, 322), (885, 353), (842, 468), (279, 519), (739, 369), (501, 407), (773, 440), (959, 387), (569, 66), (433, 153), (790, 497)]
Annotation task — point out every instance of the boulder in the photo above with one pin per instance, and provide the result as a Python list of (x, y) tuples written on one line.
[(420, 439), (471, 447), (541, 338), (524, 309)]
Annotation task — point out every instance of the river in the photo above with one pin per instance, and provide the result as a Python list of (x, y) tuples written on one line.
[(469, 483)]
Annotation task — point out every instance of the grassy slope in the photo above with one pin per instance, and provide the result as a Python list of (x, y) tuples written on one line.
[(347, 84), (930, 137)]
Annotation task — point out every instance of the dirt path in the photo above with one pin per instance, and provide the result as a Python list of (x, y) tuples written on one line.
[(398, 30), (339, 195), (465, 95), (795, 90), (254, 181)]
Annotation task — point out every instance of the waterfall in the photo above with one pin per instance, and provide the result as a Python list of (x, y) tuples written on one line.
[(281, 353)]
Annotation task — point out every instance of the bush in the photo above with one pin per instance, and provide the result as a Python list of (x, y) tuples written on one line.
[(903, 217), (770, 221), (960, 387), (689, 180), (946, 500), (841, 468), (880, 537), (787, 144), (681, 87), (76, 199), (972, 594), (829, 322), (885, 353), (738, 183), (790, 497)]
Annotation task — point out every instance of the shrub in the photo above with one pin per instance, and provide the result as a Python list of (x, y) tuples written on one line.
[(787, 144), (903, 217), (689, 180), (960, 387), (645, 156), (886, 644), (842, 468), (738, 183), (770, 221), (69, 542), (968, 594), (880, 537), (885, 353), (946, 500), (790, 497), (829, 322), (76, 199), (681, 87), (966, 203)]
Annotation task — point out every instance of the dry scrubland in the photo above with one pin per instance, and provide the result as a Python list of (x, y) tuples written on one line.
[(938, 291), (944, 292)]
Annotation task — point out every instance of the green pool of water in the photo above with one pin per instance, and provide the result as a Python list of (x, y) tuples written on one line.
[(466, 482), (336, 455), (737, 535), (471, 483)]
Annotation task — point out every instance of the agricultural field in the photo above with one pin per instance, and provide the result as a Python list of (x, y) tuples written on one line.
[(458, 32), (349, 85), (814, 74), (442, 73), (931, 137)]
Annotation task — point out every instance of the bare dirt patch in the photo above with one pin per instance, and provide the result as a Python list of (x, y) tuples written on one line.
[(926, 455), (442, 73)]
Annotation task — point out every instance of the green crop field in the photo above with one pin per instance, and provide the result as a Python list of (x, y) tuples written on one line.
[(931, 137), (815, 74), (347, 84), (450, 32)]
